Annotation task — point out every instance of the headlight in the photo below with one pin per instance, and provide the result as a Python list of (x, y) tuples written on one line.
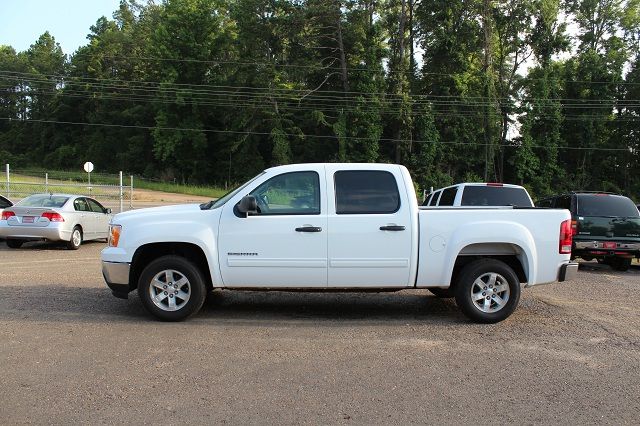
[(114, 235)]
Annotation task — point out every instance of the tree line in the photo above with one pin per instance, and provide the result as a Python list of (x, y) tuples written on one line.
[(544, 93)]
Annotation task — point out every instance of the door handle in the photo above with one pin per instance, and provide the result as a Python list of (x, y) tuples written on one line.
[(392, 228), (309, 229)]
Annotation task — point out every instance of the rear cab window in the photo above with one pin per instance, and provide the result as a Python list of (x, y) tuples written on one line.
[(605, 205), (448, 196), (428, 200), (475, 195), (434, 200), (366, 192)]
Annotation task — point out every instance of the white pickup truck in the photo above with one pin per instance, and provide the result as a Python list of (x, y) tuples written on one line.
[(322, 227)]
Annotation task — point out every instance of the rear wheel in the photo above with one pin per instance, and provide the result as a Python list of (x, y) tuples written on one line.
[(620, 264), (172, 288), (487, 291), (76, 239), (14, 244)]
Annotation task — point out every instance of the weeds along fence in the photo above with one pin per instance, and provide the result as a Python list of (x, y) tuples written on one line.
[(110, 190)]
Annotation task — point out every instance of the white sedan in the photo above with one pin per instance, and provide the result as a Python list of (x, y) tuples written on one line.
[(54, 217)]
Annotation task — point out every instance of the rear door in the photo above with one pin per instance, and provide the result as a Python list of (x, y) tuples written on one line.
[(84, 217), (370, 238)]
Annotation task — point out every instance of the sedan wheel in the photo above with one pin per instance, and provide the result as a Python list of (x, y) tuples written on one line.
[(172, 288), (14, 244), (76, 239)]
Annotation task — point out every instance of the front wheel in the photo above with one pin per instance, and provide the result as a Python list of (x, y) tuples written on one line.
[(487, 291), (172, 288)]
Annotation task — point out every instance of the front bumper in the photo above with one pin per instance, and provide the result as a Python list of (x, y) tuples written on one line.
[(568, 271), (116, 274)]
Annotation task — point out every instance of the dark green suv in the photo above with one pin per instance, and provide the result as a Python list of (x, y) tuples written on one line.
[(606, 226)]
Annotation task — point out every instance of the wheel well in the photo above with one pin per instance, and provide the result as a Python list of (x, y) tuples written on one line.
[(511, 260), (149, 252)]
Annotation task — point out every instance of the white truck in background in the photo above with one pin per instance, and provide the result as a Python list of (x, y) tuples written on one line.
[(479, 194), (349, 227)]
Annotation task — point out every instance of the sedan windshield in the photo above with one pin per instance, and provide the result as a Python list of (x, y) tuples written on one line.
[(43, 201)]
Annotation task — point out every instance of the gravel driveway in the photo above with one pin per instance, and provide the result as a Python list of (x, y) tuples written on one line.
[(72, 353)]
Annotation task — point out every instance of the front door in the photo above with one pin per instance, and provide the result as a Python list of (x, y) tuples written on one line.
[(285, 244)]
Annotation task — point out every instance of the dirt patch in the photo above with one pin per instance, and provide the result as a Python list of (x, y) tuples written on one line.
[(146, 195)]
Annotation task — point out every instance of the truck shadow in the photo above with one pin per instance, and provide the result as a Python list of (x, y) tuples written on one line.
[(346, 307), (57, 303)]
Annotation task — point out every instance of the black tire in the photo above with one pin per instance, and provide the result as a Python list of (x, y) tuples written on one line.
[(76, 239), (187, 299), (442, 293), (14, 244), (620, 264), (480, 271)]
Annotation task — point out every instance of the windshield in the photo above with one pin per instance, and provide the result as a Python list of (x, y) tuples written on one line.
[(43, 201), (606, 205), (222, 200)]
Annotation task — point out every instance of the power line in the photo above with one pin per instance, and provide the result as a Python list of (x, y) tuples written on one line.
[(202, 88), (313, 67), (331, 137), (289, 107), (415, 100)]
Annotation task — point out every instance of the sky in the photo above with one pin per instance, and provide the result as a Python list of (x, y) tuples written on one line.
[(23, 21)]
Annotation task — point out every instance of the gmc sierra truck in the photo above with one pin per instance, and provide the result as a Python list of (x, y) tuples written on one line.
[(345, 227)]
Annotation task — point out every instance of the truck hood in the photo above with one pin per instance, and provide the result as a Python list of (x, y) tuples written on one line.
[(156, 212)]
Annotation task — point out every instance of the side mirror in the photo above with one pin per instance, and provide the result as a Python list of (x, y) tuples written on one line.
[(107, 211), (248, 205)]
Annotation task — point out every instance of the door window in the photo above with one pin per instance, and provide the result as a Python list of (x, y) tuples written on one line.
[(80, 205), (296, 193), (95, 206), (366, 192)]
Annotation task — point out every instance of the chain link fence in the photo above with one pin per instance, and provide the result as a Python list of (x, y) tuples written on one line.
[(109, 190)]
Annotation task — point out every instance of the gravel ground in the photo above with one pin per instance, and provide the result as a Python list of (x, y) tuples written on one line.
[(72, 353)]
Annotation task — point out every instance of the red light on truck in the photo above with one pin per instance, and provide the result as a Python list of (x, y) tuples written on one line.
[(575, 225), (566, 237), (7, 214)]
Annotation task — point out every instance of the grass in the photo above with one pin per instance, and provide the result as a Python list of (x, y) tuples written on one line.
[(61, 177)]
